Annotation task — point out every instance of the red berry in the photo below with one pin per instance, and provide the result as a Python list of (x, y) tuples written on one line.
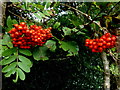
[(91, 46), (104, 42), (16, 25), (107, 34), (113, 38), (108, 44), (100, 44), (22, 23), (108, 39), (19, 27), (100, 49), (95, 46), (36, 28), (103, 37), (104, 46), (93, 50)]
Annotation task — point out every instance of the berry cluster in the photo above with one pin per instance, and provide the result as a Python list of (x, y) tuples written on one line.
[(24, 37), (98, 45)]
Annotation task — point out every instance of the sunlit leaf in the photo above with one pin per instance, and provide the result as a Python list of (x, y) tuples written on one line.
[(21, 74), (51, 44), (9, 21), (24, 67), (9, 51), (8, 61), (25, 60), (8, 74), (25, 52), (7, 68)]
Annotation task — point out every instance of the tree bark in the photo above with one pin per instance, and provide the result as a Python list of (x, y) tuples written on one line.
[(106, 71), (2, 19), (118, 59)]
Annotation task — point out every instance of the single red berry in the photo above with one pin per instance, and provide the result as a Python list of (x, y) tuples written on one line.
[(93, 50), (108, 44), (95, 46), (104, 46), (12, 35), (108, 39), (100, 49), (103, 37), (104, 42), (101, 40), (113, 38), (91, 46), (100, 44), (22, 23), (16, 25), (36, 28), (107, 34), (19, 27)]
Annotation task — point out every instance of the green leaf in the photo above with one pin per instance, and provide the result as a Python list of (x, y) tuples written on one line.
[(66, 30), (113, 49), (47, 4), (21, 74), (56, 25), (9, 67), (14, 21), (10, 44), (8, 74), (8, 29), (7, 41), (9, 51), (75, 23), (25, 52), (6, 38), (16, 79), (41, 14), (2, 49), (38, 16), (8, 61), (51, 44), (69, 46), (25, 60), (45, 12), (40, 6), (23, 6), (40, 53), (24, 67), (9, 21), (81, 33)]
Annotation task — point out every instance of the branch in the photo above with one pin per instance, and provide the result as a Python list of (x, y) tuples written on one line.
[(106, 71), (111, 54), (86, 15)]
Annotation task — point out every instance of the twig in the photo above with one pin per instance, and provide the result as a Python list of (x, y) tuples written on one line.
[(111, 54), (113, 7), (86, 15)]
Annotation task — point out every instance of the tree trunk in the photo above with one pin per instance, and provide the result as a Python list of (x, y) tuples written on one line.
[(118, 59), (2, 19), (106, 71)]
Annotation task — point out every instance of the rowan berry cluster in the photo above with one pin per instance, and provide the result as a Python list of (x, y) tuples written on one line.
[(98, 45), (27, 37)]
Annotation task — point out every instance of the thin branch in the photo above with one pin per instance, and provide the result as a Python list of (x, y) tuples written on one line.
[(111, 54), (113, 7), (86, 15)]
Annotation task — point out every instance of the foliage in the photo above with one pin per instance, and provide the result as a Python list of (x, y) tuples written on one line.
[(72, 23)]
